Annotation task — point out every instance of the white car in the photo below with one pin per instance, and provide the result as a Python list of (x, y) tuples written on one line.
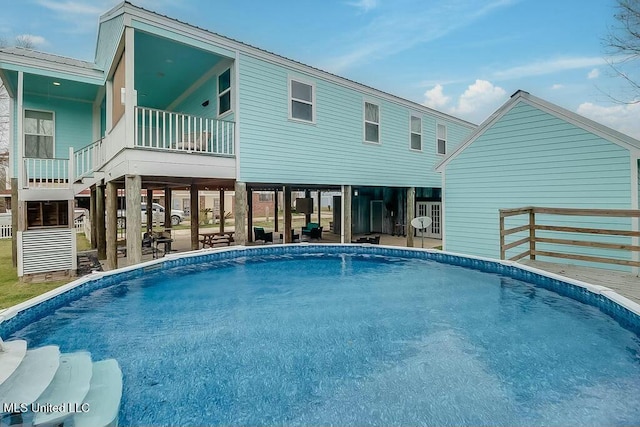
[(158, 215)]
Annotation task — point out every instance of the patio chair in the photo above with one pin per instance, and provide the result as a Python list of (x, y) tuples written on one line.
[(306, 230), (315, 233), (260, 234)]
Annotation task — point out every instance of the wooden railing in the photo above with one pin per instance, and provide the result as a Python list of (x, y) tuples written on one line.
[(166, 130), (46, 173), (532, 238), (88, 159)]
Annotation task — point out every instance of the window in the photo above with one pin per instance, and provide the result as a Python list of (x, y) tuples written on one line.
[(301, 101), (371, 122), (442, 139), (224, 92), (38, 134), (416, 133)]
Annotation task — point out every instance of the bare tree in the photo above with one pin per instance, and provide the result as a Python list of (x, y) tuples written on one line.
[(624, 43), (25, 42)]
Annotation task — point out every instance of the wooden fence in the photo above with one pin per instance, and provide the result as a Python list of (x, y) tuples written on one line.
[(532, 226)]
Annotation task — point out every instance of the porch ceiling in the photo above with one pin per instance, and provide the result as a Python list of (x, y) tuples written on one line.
[(164, 69), (182, 183), (59, 88)]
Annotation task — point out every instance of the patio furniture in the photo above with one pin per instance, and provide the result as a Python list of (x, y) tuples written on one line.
[(307, 229), (315, 233), (372, 240), (294, 237), (216, 239), (260, 234)]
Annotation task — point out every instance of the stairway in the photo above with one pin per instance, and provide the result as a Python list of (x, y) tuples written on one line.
[(42, 387)]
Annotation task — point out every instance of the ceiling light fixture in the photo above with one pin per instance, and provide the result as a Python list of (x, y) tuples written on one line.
[(56, 83)]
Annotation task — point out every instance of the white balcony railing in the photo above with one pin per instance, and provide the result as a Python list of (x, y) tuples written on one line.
[(88, 159), (166, 130), (46, 173)]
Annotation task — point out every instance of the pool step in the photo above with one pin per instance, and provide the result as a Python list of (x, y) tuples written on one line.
[(31, 377), (104, 396), (66, 391), (42, 387), (11, 355)]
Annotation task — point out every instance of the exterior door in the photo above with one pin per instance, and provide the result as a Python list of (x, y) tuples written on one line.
[(432, 210)]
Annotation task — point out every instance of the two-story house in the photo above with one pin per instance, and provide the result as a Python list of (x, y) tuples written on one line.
[(166, 105)]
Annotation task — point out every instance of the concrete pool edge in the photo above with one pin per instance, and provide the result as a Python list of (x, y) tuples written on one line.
[(620, 308)]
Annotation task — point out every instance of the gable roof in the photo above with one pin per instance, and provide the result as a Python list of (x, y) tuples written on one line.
[(521, 96)]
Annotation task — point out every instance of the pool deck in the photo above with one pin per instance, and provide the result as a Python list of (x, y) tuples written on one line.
[(626, 284)]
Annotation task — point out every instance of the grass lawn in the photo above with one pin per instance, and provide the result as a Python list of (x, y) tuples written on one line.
[(12, 291)]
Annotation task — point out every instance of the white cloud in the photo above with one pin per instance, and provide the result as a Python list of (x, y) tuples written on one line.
[(479, 100), (72, 7), (623, 118), (594, 74), (364, 5), (540, 68), (557, 86), (435, 98)]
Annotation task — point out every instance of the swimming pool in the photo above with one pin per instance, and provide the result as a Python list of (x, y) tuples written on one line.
[(345, 335)]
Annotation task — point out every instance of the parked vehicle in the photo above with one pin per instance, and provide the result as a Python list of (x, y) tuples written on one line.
[(158, 215)]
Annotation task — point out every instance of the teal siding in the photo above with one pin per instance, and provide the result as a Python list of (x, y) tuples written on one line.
[(73, 122), (530, 157), (108, 39), (331, 151)]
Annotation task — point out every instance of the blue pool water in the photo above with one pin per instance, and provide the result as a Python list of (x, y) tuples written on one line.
[(351, 340)]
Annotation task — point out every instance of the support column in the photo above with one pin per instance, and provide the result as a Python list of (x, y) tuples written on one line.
[(168, 204), (100, 224), (194, 206), (346, 236), (221, 211), (320, 208), (411, 214), (92, 218), (307, 216), (112, 226), (149, 211), (133, 186), (286, 232), (14, 221), (275, 211), (249, 215), (240, 213)]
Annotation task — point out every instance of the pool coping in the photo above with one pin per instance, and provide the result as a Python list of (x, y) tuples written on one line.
[(620, 308)]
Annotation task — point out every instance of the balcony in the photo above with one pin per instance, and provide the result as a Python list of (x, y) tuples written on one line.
[(183, 133)]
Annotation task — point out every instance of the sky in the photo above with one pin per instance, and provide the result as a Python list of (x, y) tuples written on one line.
[(461, 57)]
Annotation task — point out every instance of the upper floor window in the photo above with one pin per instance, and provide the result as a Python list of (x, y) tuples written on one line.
[(441, 139), (224, 92), (416, 133), (38, 134), (301, 101), (371, 122)]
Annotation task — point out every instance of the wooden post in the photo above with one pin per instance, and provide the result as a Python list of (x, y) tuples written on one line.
[(249, 215), (307, 216), (532, 234), (320, 208), (221, 211), (275, 211), (346, 235), (92, 218), (411, 214), (194, 206), (133, 202), (167, 208), (100, 224), (111, 226), (286, 233), (503, 253), (240, 212), (149, 210)]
